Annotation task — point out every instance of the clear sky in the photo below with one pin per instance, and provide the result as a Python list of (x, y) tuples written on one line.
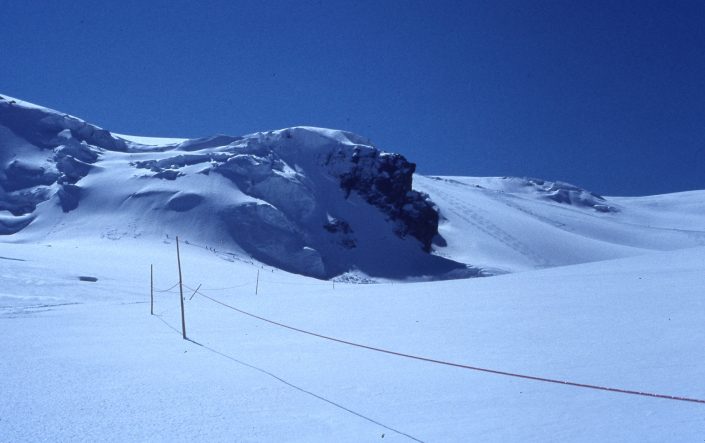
[(608, 95)]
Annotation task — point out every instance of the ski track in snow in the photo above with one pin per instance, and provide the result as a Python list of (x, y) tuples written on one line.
[(15, 311), (472, 215)]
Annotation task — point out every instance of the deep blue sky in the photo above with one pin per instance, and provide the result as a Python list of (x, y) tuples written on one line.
[(608, 95)]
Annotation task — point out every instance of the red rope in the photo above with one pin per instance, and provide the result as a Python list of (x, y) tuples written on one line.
[(458, 365)]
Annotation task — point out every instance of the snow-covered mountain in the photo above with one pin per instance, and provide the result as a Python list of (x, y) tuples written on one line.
[(314, 201)]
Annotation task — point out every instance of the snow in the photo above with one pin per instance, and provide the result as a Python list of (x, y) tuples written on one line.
[(507, 225), (588, 289), (89, 362), (151, 141)]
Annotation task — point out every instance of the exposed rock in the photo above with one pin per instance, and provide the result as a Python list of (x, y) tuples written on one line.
[(20, 175), (384, 180), (566, 193), (69, 196), (342, 230)]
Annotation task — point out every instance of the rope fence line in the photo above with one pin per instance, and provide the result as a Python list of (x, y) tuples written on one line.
[(167, 290), (262, 280), (405, 355), (459, 365), (242, 285)]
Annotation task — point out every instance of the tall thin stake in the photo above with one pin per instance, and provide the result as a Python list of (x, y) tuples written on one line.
[(151, 289), (181, 290), (257, 284)]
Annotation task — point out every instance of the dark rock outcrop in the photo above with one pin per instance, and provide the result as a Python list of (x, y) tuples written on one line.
[(384, 180), (566, 193)]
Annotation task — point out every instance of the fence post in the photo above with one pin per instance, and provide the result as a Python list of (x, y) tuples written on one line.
[(181, 290), (257, 283), (151, 289)]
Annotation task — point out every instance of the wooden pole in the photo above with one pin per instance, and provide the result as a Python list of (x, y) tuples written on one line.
[(257, 284), (151, 289), (181, 290)]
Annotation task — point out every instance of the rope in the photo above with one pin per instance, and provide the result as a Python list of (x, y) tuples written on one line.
[(191, 289), (225, 289), (262, 280), (167, 290), (195, 291), (458, 365)]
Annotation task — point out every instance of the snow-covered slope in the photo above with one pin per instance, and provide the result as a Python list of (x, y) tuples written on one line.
[(314, 201), (84, 361), (513, 224)]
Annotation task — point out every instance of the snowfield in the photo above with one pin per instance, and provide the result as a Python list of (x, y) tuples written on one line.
[(86, 361), (576, 287)]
